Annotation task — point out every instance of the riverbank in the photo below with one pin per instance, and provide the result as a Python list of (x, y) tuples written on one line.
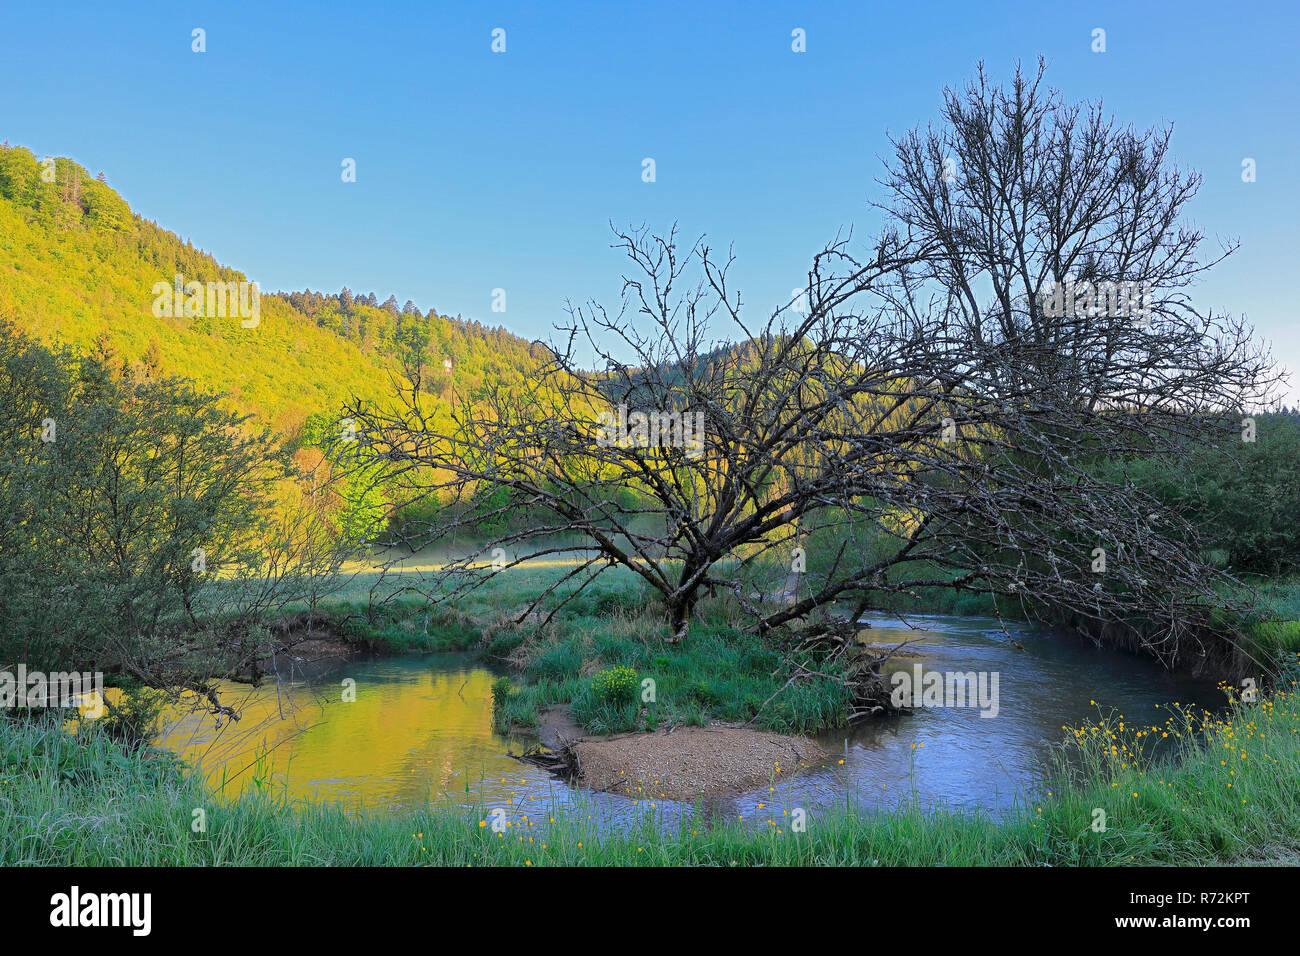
[(1231, 798), (721, 673)]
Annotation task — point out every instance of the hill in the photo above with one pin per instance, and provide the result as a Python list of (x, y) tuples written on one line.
[(78, 266)]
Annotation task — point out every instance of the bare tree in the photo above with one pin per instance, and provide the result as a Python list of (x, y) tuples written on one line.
[(930, 413)]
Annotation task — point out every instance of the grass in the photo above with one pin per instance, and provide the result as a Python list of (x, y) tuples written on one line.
[(1231, 797), (1274, 633), (401, 626), (722, 672)]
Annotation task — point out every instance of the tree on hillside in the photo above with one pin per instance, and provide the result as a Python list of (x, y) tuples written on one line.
[(1241, 496), (926, 413)]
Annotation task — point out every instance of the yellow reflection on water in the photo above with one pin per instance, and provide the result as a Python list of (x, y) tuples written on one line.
[(417, 729)]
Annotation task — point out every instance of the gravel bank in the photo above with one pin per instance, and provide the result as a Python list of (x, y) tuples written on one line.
[(687, 763)]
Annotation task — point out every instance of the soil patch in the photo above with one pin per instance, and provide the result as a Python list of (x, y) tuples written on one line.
[(557, 728), (319, 650)]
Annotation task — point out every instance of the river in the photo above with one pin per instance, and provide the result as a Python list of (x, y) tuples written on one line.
[(420, 730)]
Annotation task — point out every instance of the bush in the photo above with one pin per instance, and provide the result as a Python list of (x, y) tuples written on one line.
[(510, 707), (616, 685), (136, 511), (134, 719), (1240, 497)]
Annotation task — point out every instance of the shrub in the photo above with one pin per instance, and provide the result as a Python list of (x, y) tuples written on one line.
[(616, 685), (502, 691)]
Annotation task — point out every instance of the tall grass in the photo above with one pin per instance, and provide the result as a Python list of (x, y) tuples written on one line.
[(1274, 633), (719, 673)]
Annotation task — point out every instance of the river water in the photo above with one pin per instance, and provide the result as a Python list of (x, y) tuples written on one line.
[(420, 730)]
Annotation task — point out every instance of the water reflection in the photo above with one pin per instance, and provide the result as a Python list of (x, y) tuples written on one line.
[(420, 729)]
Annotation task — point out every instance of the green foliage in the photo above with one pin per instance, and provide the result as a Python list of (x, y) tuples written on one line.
[(601, 716), (510, 708), (557, 662), (363, 500), (1272, 631), (421, 344), (502, 692), (722, 672), (134, 511), (492, 511), (135, 718), (1242, 497), (617, 685), (78, 267), (400, 626)]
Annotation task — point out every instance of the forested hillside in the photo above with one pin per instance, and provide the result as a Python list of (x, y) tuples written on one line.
[(78, 266)]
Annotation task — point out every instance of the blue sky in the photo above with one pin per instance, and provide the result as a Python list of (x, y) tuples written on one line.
[(478, 170)]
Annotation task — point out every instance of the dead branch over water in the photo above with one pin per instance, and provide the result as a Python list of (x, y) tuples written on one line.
[(923, 405)]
